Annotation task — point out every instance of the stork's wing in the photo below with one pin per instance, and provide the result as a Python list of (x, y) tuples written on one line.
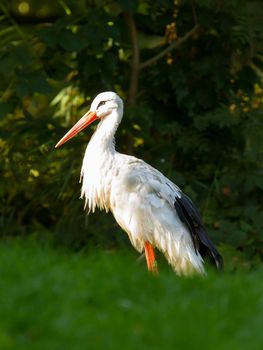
[(185, 208)]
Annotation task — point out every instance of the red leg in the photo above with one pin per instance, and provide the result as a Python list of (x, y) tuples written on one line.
[(150, 258)]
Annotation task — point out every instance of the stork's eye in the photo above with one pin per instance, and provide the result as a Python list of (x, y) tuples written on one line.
[(101, 104)]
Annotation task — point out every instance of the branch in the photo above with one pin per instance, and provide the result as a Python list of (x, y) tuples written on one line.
[(134, 71), (135, 63), (171, 47), (194, 11)]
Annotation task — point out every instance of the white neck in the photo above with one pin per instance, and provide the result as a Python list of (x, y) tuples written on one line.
[(98, 160), (103, 138)]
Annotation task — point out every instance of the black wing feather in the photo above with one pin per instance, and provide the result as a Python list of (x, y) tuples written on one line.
[(190, 216)]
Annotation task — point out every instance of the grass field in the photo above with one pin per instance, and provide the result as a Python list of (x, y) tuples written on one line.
[(56, 299)]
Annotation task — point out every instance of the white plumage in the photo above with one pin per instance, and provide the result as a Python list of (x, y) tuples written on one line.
[(143, 201)]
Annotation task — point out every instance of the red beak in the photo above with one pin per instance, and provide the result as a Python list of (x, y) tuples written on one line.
[(86, 120)]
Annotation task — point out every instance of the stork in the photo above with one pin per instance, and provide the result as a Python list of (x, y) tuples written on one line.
[(151, 209)]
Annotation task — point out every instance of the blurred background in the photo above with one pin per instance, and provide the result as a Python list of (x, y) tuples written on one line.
[(191, 76)]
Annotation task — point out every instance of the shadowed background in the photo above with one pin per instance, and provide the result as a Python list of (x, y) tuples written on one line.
[(190, 73)]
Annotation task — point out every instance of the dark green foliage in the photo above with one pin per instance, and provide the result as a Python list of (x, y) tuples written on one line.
[(196, 113)]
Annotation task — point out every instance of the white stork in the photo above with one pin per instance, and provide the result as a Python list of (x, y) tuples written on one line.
[(152, 210)]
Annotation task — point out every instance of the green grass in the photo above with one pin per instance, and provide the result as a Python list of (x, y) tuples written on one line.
[(55, 299)]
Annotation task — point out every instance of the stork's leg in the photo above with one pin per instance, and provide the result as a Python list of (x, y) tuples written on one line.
[(150, 257)]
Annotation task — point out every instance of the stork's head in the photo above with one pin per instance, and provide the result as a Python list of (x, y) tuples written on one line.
[(102, 107), (105, 102)]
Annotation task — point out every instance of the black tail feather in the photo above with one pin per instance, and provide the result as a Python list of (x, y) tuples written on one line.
[(190, 216)]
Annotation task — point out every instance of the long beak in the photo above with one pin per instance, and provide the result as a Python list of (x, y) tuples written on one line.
[(87, 119)]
